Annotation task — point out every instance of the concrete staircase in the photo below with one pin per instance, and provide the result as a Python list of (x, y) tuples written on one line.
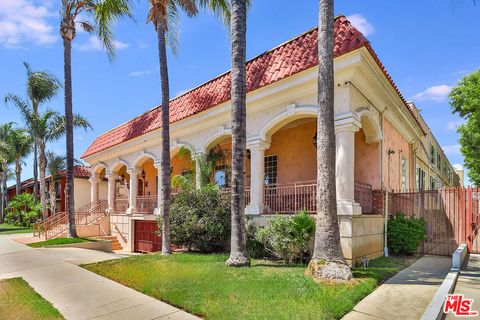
[(116, 245)]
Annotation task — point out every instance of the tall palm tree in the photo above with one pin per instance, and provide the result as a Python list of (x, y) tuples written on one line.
[(238, 30), (6, 158), (327, 260), (164, 16), (21, 142), (103, 14), (41, 87), (46, 126), (55, 164)]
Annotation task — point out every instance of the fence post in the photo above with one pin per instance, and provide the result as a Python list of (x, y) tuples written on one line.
[(468, 219)]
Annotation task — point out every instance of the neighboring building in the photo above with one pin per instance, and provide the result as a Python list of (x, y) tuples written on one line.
[(433, 170), (81, 187), (377, 135)]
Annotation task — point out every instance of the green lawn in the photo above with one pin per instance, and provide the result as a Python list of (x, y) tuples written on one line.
[(11, 229), (203, 285), (58, 241), (19, 301)]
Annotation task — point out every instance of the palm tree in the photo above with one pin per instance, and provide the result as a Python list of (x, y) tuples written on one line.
[(164, 15), (41, 87), (46, 126), (238, 29), (55, 164), (327, 260), (21, 143), (6, 158), (103, 14)]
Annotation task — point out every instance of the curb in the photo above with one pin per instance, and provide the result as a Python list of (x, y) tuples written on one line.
[(434, 310)]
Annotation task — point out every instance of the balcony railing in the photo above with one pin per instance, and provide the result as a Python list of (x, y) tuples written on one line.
[(146, 204), (302, 196), (120, 205)]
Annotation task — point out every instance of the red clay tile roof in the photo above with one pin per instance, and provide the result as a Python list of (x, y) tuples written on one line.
[(290, 58)]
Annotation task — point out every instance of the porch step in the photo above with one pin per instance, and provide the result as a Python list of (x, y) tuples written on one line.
[(116, 245)]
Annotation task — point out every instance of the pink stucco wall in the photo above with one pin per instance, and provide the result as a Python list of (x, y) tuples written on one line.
[(367, 161), (393, 140)]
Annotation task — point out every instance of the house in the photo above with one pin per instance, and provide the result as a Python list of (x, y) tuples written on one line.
[(378, 135), (81, 186)]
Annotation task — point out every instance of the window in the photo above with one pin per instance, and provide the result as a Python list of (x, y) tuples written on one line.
[(449, 175), (432, 154), (445, 167), (433, 183), (420, 179), (404, 173), (271, 170), (439, 162), (221, 176), (58, 190)]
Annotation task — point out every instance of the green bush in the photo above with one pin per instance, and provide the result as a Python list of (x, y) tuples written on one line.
[(200, 220), (22, 210), (405, 234), (255, 249), (288, 238)]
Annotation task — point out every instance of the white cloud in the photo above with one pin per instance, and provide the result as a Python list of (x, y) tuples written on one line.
[(452, 150), (362, 24), (453, 125), (141, 73), (94, 44), (436, 93), (24, 21)]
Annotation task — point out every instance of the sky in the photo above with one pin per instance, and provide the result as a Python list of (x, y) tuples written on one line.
[(427, 46)]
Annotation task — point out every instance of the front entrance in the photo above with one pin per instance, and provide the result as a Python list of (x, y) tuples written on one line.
[(145, 236)]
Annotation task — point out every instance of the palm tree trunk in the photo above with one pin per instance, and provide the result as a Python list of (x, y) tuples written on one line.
[(43, 168), (327, 260), (238, 255), (3, 198), (70, 205), (18, 176), (165, 156), (53, 196), (35, 170)]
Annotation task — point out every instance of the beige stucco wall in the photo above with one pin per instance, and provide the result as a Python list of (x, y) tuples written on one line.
[(122, 226), (82, 192), (100, 228)]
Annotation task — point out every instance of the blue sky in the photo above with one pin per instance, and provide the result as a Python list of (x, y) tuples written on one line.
[(427, 46)]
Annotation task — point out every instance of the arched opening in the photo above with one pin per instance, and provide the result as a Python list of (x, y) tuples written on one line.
[(146, 175), (121, 186), (182, 169), (290, 165)]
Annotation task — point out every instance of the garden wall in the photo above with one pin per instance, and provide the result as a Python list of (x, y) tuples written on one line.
[(361, 235)]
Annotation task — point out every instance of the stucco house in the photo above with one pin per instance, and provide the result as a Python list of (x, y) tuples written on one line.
[(378, 135), (81, 175)]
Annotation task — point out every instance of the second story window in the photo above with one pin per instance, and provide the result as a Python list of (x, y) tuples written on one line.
[(271, 170)]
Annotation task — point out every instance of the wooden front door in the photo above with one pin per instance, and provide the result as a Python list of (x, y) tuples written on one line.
[(146, 238)]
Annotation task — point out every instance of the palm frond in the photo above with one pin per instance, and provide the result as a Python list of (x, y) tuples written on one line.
[(41, 86), (220, 8), (23, 106)]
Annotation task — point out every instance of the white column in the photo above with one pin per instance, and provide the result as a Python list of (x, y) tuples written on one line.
[(199, 156), (257, 177), (112, 180), (94, 179), (345, 127), (158, 165), (132, 203)]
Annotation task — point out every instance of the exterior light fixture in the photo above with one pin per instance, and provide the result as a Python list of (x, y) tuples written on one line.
[(314, 140), (249, 154), (143, 175)]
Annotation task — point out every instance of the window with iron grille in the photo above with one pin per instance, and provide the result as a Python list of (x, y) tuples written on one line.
[(432, 154), (271, 164)]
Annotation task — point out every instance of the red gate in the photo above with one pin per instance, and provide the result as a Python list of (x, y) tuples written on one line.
[(146, 238), (452, 217)]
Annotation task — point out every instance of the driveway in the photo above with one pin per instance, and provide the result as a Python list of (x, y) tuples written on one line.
[(74, 291)]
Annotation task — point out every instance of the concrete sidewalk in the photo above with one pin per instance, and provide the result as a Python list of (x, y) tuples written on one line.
[(405, 295), (468, 282), (76, 292)]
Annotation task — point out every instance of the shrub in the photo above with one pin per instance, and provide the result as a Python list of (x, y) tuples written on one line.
[(22, 210), (405, 234), (200, 220), (288, 238), (255, 249)]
